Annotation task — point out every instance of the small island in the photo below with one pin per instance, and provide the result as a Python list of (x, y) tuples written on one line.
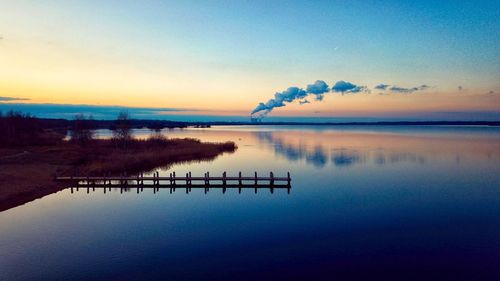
[(33, 153)]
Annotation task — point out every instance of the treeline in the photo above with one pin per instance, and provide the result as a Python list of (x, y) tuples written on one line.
[(111, 124), (22, 129)]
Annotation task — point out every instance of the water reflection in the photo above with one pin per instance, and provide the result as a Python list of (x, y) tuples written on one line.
[(180, 188), (347, 149), (364, 202), (317, 158), (345, 157), (395, 158), (319, 155)]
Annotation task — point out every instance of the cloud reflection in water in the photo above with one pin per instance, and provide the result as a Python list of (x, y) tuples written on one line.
[(295, 149)]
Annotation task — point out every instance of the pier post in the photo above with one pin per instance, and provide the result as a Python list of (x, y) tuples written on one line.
[(289, 179), (271, 181), (208, 178), (174, 179), (239, 175), (255, 178), (224, 178)]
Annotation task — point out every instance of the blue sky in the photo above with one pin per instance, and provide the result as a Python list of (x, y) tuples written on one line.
[(225, 57)]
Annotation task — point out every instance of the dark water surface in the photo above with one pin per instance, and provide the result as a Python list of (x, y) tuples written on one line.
[(371, 202)]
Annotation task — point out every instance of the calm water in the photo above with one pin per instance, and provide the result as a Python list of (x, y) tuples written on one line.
[(409, 203)]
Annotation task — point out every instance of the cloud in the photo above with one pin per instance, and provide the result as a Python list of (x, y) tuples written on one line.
[(304, 102), (347, 87), (396, 89), (381, 87), (319, 88), (12, 99)]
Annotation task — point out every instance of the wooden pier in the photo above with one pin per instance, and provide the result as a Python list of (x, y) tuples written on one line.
[(174, 182)]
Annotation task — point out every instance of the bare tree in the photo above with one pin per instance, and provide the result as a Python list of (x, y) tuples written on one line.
[(123, 128), (83, 129)]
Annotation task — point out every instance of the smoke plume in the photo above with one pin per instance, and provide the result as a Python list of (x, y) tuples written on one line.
[(317, 90)]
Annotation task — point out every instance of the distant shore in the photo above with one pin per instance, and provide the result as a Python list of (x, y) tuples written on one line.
[(381, 123), (27, 172), (64, 124)]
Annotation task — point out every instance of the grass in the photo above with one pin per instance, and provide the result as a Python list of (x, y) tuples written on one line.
[(102, 157), (27, 172)]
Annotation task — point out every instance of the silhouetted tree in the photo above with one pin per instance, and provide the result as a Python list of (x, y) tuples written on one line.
[(83, 129), (123, 129)]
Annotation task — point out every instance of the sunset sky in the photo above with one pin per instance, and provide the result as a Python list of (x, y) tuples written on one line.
[(225, 57)]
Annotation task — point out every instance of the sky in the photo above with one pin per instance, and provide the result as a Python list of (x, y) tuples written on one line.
[(405, 59)]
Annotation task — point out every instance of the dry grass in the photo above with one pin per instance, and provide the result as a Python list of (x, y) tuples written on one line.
[(102, 157), (27, 173)]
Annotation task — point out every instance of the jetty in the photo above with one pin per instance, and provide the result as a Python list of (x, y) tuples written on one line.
[(173, 182)]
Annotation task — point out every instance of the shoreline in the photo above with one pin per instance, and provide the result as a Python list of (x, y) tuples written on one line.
[(28, 173)]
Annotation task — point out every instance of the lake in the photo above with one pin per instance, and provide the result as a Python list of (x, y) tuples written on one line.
[(366, 202)]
